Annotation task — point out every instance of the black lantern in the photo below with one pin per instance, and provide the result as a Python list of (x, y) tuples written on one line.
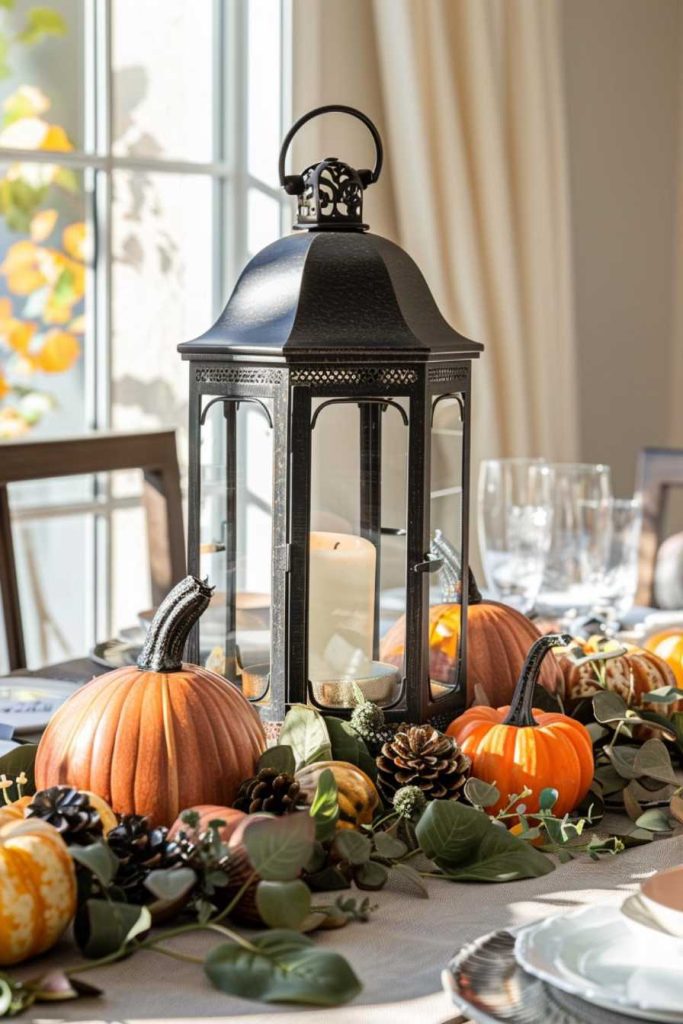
[(329, 467)]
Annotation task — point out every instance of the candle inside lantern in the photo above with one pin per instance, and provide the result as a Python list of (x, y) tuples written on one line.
[(341, 606)]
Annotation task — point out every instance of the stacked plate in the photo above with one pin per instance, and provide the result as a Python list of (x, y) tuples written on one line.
[(594, 964)]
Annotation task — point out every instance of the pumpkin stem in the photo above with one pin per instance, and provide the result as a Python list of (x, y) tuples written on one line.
[(451, 572), (521, 705), (163, 648)]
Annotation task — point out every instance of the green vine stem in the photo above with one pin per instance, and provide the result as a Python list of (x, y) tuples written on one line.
[(165, 641), (521, 705)]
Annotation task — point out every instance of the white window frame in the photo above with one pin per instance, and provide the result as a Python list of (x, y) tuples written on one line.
[(229, 173)]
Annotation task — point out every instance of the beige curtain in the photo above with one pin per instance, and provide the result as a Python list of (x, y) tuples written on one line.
[(469, 96), (474, 106)]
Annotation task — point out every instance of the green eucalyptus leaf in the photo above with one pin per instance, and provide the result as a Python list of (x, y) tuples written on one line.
[(371, 875), (304, 730), (651, 718), (352, 847), (328, 879), (98, 859), (653, 760), (282, 967), (104, 926), (631, 804), (389, 846), (623, 761), (414, 877), (171, 883), (450, 832), (609, 707), (655, 820), (480, 793), (21, 759), (348, 746), (283, 904), (324, 809), (280, 757), (279, 848), (664, 695), (502, 857)]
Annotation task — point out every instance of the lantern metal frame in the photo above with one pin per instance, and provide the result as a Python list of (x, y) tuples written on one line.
[(343, 316)]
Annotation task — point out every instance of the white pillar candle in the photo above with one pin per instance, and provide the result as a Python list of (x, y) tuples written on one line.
[(341, 606)]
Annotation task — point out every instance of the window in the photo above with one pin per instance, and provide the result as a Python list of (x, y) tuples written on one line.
[(138, 161)]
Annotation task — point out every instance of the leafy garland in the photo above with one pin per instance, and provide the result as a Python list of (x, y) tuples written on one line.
[(290, 859)]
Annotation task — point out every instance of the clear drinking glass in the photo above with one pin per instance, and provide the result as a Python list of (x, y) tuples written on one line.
[(515, 516), (619, 581), (580, 539)]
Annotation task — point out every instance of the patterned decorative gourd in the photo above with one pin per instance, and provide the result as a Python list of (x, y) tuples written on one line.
[(631, 674), (159, 737), (668, 645), (498, 638), (516, 747), (357, 796), (37, 889)]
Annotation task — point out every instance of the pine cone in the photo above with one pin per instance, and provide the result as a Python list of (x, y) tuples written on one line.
[(70, 812), (270, 790), (141, 849), (421, 756)]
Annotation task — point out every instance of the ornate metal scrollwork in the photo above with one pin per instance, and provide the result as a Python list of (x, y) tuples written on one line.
[(233, 375)]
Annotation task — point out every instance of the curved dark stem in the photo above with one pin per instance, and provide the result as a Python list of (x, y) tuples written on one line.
[(165, 641), (521, 705), (451, 572)]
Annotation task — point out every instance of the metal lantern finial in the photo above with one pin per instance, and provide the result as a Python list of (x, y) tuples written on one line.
[(330, 192)]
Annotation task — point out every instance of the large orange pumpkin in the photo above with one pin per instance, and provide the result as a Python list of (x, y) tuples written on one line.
[(159, 737), (668, 645), (632, 675), (516, 747), (37, 889), (498, 638)]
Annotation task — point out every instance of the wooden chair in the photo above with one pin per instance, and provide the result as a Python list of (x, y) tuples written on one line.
[(153, 452), (658, 470)]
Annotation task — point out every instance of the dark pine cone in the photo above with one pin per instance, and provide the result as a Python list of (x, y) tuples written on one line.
[(421, 756), (70, 812), (141, 849), (270, 790)]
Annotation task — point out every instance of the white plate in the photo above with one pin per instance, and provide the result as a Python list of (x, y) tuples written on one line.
[(598, 954), (27, 703)]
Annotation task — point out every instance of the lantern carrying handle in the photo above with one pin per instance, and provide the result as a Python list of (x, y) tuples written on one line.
[(293, 184)]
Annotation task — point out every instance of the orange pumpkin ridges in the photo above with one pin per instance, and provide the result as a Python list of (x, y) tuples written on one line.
[(159, 737), (498, 638), (668, 645), (518, 746), (210, 812)]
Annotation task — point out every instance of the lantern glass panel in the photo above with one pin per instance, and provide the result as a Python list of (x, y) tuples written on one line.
[(236, 540), (446, 492), (357, 547)]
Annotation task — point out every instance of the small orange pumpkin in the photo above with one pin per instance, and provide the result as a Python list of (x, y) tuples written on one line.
[(158, 737), (516, 747), (498, 638), (210, 812), (668, 645), (38, 886), (15, 811), (632, 674)]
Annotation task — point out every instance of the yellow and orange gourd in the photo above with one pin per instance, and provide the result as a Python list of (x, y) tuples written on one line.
[(668, 645), (517, 746), (37, 888), (159, 737), (357, 795)]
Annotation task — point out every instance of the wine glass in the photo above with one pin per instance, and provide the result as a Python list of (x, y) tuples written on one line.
[(515, 514), (580, 539), (619, 581)]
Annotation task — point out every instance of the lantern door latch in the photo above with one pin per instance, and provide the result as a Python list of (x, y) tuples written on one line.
[(431, 563)]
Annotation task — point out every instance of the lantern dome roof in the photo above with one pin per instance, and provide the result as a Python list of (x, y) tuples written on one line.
[(321, 294)]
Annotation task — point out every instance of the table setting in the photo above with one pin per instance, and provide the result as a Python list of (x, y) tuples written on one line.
[(329, 775)]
